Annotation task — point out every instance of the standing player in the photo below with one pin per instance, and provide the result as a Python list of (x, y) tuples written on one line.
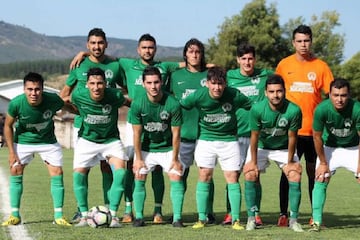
[(99, 138), (156, 121), (33, 113), (183, 82), (336, 129), (217, 105), (96, 44), (274, 123), (305, 78), (251, 82)]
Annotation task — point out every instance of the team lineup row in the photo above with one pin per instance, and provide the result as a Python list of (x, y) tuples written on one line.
[(163, 130)]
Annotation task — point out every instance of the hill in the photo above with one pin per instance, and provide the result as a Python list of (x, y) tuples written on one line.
[(18, 43)]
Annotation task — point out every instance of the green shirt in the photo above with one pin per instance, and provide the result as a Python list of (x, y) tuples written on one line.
[(251, 86), (100, 118), (182, 83), (35, 124), (274, 124), (78, 76), (156, 120), (340, 128), (217, 116)]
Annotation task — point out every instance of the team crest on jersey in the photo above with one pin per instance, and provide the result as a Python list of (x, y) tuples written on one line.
[(164, 115), (226, 107), (255, 80), (47, 114), (283, 122), (109, 74), (203, 82), (106, 109), (139, 80), (311, 76), (347, 123)]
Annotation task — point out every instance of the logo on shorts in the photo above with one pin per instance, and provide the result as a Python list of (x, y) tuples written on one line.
[(164, 115), (47, 114), (106, 109)]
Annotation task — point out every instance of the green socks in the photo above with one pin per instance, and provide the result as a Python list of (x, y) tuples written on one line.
[(158, 186), (234, 192), (117, 189), (57, 193), (16, 190), (294, 199), (202, 198), (250, 198), (210, 204), (139, 196), (107, 179), (319, 197), (129, 186), (80, 182), (177, 198)]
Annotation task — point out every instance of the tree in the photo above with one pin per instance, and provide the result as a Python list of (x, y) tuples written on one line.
[(350, 70), (256, 24)]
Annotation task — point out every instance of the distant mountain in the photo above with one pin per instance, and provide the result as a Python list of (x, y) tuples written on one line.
[(18, 43)]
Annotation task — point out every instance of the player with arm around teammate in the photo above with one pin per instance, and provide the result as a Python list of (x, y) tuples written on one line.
[(99, 138), (336, 129), (274, 123), (33, 113)]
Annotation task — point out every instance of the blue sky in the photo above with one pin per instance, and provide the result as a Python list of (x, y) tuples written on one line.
[(171, 22)]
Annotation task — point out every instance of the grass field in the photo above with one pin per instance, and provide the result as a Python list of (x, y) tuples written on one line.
[(341, 210)]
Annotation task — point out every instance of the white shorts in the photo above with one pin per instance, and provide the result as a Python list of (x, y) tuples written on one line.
[(341, 157), (187, 150), (129, 140), (280, 157), (244, 143), (207, 153), (49, 153), (75, 135), (152, 159), (88, 154)]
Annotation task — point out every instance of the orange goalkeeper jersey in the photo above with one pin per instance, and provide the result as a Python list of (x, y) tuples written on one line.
[(304, 83)]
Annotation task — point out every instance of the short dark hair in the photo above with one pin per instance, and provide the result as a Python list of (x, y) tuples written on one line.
[(98, 32), (147, 37), (275, 79), (96, 72), (216, 73), (340, 83), (151, 70), (245, 48), (304, 29), (200, 45), (34, 77)]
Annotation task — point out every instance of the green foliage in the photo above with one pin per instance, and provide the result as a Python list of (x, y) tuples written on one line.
[(351, 71)]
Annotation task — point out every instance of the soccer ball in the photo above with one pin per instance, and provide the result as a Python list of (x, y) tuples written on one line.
[(99, 216)]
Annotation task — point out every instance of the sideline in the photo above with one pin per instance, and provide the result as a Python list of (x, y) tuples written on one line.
[(17, 232)]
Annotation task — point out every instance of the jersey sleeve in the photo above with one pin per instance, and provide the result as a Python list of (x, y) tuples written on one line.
[(318, 122), (72, 79), (254, 119), (134, 111), (189, 101), (296, 120), (13, 109), (176, 119)]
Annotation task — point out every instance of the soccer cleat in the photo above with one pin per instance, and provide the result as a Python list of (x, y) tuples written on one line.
[(76, 218), (296, 227), (251, 225), (139, 223), (283, 221), (178, 224), (62, 222), (82, 223), (158, 219), (199, 224), (227, 219), (114, 223), (12, 220), (237, 226), (127, 218), (210, 219), (315, 227), (258, 221)]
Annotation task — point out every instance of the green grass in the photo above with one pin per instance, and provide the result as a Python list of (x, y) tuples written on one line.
[(341, 210)]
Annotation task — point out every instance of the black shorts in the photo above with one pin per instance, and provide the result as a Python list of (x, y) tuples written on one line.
[(305, 146)]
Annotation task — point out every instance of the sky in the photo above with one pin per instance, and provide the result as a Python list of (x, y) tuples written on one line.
[(171, 22)]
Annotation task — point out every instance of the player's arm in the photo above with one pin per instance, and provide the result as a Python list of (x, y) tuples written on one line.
[(9, 138), (176, 148), (251, 166), (323, 167), (138, 160), (75, 62), (292, 139), (66, 92)]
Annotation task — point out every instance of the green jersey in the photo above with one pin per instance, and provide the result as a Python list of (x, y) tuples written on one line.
[(35, 124), (274, 124), (217, 116), (251, 86), (182, 83), (100, 118), (78, 77), (156, 120), (133, 69), (340, 128)]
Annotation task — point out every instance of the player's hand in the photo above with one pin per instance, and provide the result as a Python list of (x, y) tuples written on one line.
[(177, 166), (14, 160), (251, 168), (322, 172), (137, 166), (77, 60)]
